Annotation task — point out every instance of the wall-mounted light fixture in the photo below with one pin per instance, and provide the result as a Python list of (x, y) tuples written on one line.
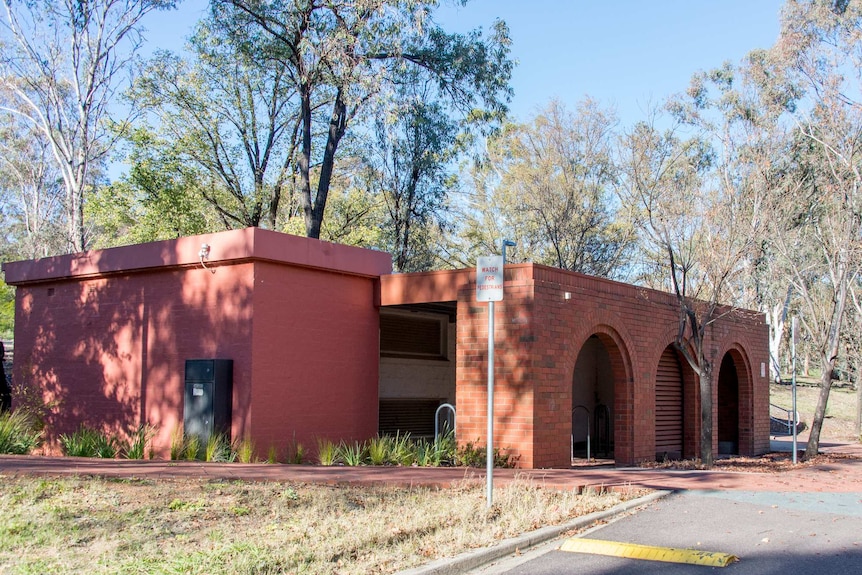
[(204, 254), (567, 295)]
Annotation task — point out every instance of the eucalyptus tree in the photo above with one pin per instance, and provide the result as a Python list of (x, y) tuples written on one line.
[(229, 119), (699, 201), (158, 199), (811, 74), (62, 64), (406, 168), (31, 193), (340, 55), (548, 185)]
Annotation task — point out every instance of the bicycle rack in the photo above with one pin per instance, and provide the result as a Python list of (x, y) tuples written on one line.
[(451, 416), (602, 422), (587, 411)]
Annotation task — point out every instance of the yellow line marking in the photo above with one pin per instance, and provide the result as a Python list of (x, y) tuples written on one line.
[(648, 553)]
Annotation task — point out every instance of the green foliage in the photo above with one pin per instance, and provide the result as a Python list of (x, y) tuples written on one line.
[(337, 58), (549, 184), (295, 453), (379, 450), (89, 442), (219, 449), (27, 397), (327, 452), (7, 311), (351, 453), (155, 201), (403, 450), (272, 454), (140, 439), (177, 444), (475, 455), (18, 434), (192, 448), (245, 450)]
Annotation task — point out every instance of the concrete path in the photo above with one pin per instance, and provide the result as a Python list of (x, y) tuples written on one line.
[(840, 476)]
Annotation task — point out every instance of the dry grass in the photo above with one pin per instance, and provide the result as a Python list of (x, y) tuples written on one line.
[(840, 411), (89, 525)]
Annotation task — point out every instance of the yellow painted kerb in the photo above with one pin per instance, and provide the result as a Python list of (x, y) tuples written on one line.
[(648, 553)]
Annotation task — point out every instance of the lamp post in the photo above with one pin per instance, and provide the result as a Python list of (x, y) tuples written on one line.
[(506, 243)]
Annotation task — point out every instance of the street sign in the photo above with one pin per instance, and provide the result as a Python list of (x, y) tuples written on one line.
[(489, 278)]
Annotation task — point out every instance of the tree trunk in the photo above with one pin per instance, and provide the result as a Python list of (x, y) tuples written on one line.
[(858, 427), (776, 333), (820, 411), (828, 357), (337, 128), (707, 456), (304, 162)]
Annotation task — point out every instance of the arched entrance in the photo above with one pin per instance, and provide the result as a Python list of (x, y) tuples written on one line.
[(728, 407), (669, 406), (593, 395)]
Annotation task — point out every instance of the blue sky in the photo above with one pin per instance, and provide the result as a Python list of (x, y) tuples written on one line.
[(624, 53)]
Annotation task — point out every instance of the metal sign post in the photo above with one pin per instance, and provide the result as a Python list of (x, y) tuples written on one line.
[(489, 288), (793, 380)]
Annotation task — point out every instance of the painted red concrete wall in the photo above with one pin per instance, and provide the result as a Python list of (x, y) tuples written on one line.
[(105, 334), (316, 357)]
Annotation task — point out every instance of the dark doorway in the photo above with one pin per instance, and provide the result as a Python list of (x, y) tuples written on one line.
[(728, 407), (592, 402)]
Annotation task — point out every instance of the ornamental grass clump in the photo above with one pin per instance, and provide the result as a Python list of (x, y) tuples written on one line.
[(18, 433), (139, 441), (89, 442)]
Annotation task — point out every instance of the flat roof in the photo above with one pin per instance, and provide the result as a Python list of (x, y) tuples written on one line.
[(225, 247)]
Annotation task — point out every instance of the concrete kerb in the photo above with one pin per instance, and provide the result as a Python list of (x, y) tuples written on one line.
[(475, 559)]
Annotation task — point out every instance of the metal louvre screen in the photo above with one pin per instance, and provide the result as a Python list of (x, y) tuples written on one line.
[(413, 416), (668, 406), (411, 336)]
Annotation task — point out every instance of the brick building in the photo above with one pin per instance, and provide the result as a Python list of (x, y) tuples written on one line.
[(326, 342)]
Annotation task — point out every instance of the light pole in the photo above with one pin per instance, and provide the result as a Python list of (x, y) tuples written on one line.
[(506, 243)]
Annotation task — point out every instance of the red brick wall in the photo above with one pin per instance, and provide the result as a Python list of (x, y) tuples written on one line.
[(539, 334)]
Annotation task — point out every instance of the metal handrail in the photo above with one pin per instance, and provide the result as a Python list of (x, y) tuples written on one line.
[(789, 420)]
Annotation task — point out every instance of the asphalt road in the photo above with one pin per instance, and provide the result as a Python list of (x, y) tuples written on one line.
[(771, 533)]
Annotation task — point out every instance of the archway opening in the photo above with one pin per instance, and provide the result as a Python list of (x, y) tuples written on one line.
[(669, 406), (728, 407), (592, 436)]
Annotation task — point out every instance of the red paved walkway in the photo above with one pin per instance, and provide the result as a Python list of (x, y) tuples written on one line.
[(843, 475)]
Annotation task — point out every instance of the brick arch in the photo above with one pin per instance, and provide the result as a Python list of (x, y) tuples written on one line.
[(691, 392), (745, 395), (619, 348)]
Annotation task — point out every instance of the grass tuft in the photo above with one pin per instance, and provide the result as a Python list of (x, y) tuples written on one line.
[(327, 452), (245, 450), (141, 438), (18, 433), (351, 454), (89, 442)]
